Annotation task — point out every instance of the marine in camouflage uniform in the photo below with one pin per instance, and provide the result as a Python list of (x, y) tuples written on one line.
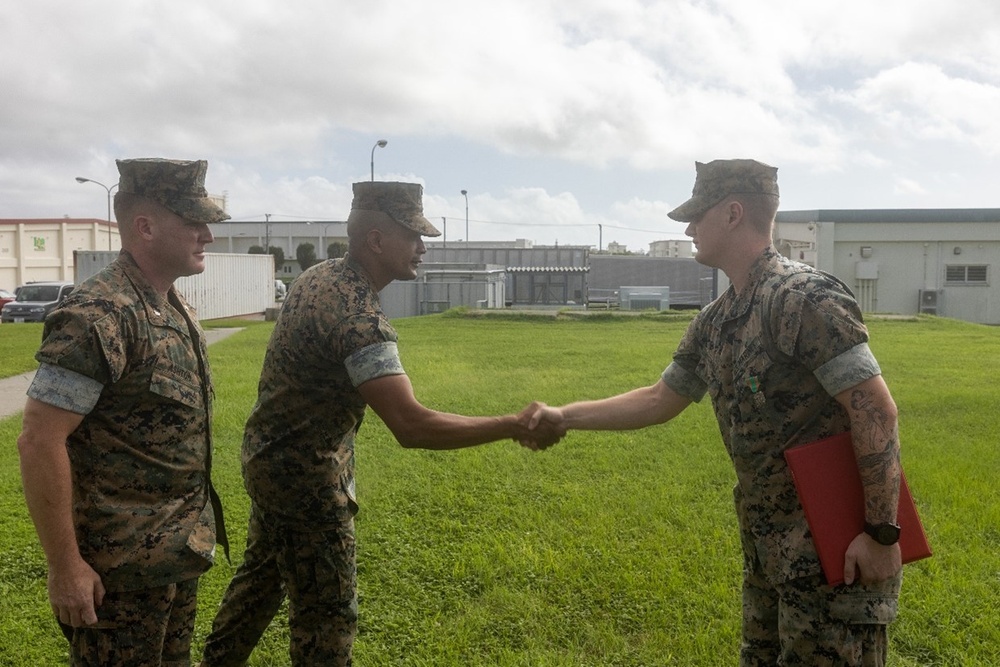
[(780, 353), (772, 358), (332, 353), (131, 364), (298, 468)]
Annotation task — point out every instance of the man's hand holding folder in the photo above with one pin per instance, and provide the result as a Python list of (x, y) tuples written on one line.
[(829, 486), (868, 556)]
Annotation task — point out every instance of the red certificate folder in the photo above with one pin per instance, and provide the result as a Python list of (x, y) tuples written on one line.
[(829, 486)]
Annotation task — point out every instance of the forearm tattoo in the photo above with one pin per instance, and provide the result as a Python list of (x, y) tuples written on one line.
[(878, 459)]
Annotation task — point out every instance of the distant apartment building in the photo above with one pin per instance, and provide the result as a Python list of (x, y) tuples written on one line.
[(671, 248), (615, 248)]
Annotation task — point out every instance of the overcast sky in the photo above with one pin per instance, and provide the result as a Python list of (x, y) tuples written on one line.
[(567, 121)]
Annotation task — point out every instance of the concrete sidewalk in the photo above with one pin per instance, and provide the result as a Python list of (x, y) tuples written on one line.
[(13, 390)]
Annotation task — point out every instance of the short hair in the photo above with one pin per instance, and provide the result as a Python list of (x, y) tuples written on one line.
[(359, 226), (128, 205), (759, 210)]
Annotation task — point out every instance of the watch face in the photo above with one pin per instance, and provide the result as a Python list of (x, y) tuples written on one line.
[(885, 533)]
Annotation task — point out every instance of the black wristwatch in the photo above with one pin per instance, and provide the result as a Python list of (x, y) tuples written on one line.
[(885, 534)]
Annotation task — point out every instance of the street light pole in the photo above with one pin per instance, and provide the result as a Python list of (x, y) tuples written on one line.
[(378, 144), (465, 193), (81, 179)]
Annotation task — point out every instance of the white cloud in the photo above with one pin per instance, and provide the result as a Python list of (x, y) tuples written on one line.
[(284, 99), (906, 186), (922, 102)]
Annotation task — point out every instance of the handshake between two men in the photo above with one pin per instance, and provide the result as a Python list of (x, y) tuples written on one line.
[(541, 426)]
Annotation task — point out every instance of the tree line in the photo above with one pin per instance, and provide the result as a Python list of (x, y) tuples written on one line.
[(305, 254)]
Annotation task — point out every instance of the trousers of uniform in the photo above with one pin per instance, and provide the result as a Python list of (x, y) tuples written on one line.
[(316, 570), (805, 622), (140, 628)]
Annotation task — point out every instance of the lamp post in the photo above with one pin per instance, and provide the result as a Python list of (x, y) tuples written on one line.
[(378, 144), (465, 193), (600, 237), (81, 179)]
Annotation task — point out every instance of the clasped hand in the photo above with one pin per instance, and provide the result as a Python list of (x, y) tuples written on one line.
[(541, 426)]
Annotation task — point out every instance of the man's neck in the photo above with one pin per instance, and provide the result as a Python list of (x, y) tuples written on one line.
[(161, 284), (738, 271)]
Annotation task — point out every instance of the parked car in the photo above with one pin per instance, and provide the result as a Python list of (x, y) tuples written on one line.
[(34, 301), (6, 297)]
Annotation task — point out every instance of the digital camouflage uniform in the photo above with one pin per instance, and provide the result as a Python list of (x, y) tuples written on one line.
[(298, 467), (772, 358), (145, 513)]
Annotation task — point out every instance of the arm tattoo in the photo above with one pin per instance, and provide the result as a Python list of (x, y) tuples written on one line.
[(878, 458)]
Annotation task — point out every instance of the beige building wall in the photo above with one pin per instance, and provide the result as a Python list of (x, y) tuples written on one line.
[(42, 249), (671, 248)]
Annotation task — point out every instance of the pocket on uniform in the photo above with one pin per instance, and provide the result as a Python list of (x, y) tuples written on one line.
[(863, 607), (176, 384), (323, 565)]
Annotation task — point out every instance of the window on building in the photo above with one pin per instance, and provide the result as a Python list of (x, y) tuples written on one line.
[(965, 274)]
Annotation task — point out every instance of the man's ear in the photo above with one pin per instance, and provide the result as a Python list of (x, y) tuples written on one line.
[(142, 224), (373, 239), (735, 213)]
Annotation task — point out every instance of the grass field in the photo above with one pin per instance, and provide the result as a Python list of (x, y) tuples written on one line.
[(608, 549)]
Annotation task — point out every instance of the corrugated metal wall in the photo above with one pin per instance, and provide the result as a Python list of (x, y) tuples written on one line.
[(231, 285), (536, 256)]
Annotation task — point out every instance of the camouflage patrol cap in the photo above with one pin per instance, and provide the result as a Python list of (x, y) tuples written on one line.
[(718, 179), (177, 184), (401, 202)]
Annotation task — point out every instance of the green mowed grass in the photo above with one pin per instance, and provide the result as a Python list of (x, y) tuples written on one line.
[(609, 548), (18, 344)]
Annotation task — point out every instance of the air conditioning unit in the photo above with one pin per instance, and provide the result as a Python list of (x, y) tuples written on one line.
[(653, 303), (644, 298), (929, 301)]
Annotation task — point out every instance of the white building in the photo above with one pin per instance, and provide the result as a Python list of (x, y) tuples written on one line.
[(238, 236), (42, 249), (671, 248), (906, 261)]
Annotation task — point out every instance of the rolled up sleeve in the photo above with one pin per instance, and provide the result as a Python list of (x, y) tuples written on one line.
[(374, 361), (848, 369), (65, 389)]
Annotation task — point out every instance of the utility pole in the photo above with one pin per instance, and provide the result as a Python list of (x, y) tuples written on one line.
[(267, 233), (465, 193)]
